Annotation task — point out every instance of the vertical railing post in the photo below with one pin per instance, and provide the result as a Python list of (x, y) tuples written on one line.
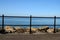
[(30, 23), (3, 24), (2, 21), (54, 24)]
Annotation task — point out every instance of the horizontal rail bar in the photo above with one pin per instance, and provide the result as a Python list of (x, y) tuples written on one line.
[(16, 16), (29, 25), (42, 17), (27, 17)]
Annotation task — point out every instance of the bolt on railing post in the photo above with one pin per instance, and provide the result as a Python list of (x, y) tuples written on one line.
[(30, 23), (54, 24)]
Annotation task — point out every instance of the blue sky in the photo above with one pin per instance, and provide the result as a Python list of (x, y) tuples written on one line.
[(30, 7)]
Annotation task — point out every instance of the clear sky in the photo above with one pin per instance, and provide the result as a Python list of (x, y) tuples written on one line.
[(30, 7)]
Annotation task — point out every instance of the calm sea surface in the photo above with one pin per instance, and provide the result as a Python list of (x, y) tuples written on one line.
[(26, 21)]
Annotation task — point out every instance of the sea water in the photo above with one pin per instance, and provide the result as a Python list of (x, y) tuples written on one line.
[(26, 21)]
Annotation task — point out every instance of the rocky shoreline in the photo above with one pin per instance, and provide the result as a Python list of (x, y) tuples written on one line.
[(43, 29)]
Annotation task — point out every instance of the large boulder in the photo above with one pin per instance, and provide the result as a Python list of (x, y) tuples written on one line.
[(0, 28), (19, 29), (9, 29), (58, 30), (43, 29), (33, 30), (16, 28), (50, 30)]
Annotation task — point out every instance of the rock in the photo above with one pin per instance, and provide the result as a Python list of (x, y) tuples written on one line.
[(27, 29), (32, 29), (0, 28), (16, 28), (58, 30), (19, 29), (9, 29), (50, 30), (43, 28)]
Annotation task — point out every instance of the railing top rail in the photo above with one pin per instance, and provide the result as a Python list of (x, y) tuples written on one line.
[(27, 17), (17, 16)]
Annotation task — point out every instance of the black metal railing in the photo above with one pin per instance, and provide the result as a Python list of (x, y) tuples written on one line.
[(30, 21)]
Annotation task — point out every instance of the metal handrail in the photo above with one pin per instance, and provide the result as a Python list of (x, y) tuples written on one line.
[(30, 17)]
